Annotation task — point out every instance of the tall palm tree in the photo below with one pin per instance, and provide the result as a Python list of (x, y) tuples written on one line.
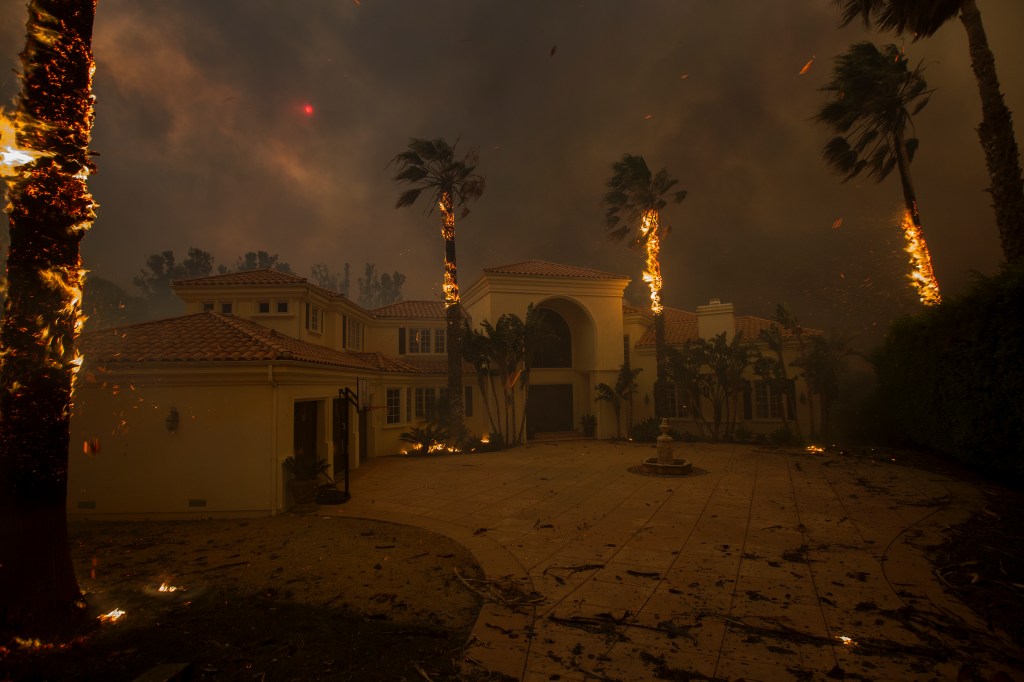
[(873, 97), (50, 210), (633, 203), (450, 183), (922, 18)]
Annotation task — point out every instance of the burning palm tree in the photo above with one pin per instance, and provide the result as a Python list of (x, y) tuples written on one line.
[(872, 92), (50, 210), (431, 166), (922, 18), (634, 201)]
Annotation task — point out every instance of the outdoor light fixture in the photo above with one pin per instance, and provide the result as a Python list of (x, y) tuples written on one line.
[(172, 420)]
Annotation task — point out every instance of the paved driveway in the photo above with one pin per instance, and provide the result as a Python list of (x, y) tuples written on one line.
[(772, 565)]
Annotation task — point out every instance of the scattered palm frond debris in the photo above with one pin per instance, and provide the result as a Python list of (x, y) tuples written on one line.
[(507, 591)]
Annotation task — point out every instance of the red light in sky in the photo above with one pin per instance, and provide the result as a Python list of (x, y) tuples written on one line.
[(307, 109)]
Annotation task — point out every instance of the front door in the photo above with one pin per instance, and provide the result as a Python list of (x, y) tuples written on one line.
[(549, 408), (305, 430)]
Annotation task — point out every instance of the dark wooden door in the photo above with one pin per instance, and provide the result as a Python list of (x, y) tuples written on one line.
[(305, 430), (550, 408)]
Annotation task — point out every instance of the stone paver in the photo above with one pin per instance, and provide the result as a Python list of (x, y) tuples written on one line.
[(772, 565)]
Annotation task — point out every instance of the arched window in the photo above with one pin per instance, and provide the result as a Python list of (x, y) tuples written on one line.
[(555, 346)]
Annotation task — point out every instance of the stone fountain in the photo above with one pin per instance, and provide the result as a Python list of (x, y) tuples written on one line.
[(665, 464)]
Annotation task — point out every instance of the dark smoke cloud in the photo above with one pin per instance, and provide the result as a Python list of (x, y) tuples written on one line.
[(203, 140)]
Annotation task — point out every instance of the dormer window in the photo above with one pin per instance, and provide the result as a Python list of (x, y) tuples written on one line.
[(314, 318)]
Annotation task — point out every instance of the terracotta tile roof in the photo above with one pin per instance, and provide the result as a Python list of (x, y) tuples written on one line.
[(436, 364), (214, 337), (385, 363), (546, 269), (262, 277), (433, 310), (244, 278), (680, 326), (629, 309)]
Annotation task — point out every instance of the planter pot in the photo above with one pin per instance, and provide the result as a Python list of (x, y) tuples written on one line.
[(303, 494)]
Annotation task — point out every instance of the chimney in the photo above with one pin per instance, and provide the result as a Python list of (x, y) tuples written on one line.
[(716, 317)]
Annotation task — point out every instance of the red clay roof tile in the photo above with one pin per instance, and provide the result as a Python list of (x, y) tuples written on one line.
[(214, 337)]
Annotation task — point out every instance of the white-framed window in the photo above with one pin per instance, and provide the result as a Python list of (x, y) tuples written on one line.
[(676, 402), (767, 402), (263, 307), (353, 334), (314, 318), (419, 340), (425, 402), (393, 403), (426, 340)]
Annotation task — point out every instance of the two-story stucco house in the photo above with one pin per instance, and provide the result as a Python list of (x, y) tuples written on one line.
[(196, 414)]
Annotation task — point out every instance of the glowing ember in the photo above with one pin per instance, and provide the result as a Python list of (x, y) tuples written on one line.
[(921, 274), (112, 617), (164, 587), (807, 67), (652, 274), (847, 641), (815, 449)]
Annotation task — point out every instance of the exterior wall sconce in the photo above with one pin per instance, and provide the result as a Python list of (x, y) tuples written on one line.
[(172, 420)]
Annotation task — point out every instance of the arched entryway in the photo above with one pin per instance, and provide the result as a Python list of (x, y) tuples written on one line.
[(564, 358)]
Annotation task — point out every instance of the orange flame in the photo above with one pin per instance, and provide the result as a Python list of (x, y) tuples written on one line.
[(652, 242), (450, 285), (12, 157), (921, 274), (112, 616)]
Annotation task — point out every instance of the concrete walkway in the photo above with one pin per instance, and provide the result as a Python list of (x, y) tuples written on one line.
[(772, 565)]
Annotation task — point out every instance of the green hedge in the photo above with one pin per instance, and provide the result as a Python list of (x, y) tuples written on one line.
[(952, 377)]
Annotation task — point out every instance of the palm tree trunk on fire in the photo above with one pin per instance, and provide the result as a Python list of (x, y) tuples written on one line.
[(50, 210)]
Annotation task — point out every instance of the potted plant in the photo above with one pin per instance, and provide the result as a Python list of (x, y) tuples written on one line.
[(305, 474), (588, 423)]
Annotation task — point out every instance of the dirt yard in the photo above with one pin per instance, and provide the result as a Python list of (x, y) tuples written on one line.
[(285, 598)]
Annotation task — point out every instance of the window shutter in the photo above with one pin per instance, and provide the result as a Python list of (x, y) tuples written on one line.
[(401, 340), (748, 408)]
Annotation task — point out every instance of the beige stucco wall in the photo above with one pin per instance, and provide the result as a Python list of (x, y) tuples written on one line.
[(221, 452)]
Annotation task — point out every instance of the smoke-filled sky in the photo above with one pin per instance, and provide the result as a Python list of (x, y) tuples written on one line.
[(205, 140)]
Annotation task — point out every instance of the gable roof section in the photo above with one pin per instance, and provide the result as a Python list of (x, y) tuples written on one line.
[(542, 268), (681, 326), (427, 310), (214, 337), (424, 309), (262, 277)]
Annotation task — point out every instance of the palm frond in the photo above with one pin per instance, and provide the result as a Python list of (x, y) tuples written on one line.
[(408, 197)]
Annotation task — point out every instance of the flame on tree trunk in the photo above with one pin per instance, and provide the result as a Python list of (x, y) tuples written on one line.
[(922, 277), (651, 239), (453, 313), (50, 210)]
